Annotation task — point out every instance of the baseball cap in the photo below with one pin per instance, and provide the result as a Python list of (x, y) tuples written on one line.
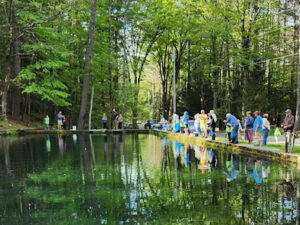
[(288, 111)]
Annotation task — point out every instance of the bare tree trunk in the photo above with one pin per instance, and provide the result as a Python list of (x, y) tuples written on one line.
[(16, 64), (228, 79), (91, 108), (297, 127), (4, 97), (87, 66)]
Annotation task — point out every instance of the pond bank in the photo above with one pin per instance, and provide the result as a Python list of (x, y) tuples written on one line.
[(241, 149), (65, 132)]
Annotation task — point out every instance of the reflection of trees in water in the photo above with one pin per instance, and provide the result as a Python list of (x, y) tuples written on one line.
[(90, 185)]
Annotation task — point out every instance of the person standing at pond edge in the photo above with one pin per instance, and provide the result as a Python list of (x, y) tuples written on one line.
[(266, 128), (186, 122), (59, 120), (235, 127), (258, 127), (288, 127), (114, 116), (47, 122), (213, 125), (249, 127), (104, 120), (277, 134), (120, 121), (203, 123)]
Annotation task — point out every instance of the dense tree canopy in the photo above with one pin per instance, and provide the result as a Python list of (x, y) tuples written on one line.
[(230, 55)]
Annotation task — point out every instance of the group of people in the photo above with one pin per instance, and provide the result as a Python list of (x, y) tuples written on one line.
[(204, 124), (117, 120), (61, 121), (254, 126)]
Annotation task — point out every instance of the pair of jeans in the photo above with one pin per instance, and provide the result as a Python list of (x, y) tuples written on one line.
[(213, 133), (235, 134), (265, 136), (47, 127)]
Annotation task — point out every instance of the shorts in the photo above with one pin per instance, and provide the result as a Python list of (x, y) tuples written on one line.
[(59, 122), (186, 126), (258, 134)]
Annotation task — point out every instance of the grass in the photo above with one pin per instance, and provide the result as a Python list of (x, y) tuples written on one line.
[(270, 145)]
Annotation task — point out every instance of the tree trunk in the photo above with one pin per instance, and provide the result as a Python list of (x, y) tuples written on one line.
[(16, 64), (297, 127), (228, 78), (4, 97), (188, 86), (87, 66), (91, 108)]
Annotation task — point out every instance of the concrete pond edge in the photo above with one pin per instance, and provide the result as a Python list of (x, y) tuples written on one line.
[(271, 155)]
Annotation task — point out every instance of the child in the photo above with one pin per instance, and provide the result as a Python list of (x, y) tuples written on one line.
[(277, 134), (170, 126), (228, 130)]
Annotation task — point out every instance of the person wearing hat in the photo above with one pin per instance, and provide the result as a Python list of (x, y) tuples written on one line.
[(257, 127), (266, 128), (288, 126)]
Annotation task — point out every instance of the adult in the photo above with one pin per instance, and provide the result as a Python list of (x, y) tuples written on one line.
[(288, 127), (266, 128), (147, 125), (120, 121), (104, 120), (249, 127), (64, 122), (235, 127), (59, 120), (197, 124), (203, 123), (213, 124), (114, 116), (185, 120), (175, 118), (258, 127), (47, 121)]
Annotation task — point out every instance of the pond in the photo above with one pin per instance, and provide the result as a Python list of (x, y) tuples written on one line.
[(139, 179)]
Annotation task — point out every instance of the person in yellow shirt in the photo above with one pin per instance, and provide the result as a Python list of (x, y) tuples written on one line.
[(203, 123)]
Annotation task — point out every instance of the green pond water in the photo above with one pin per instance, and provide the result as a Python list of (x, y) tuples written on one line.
[(139, 179)]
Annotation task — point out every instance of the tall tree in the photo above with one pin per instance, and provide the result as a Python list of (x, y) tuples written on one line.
[(87, 66)]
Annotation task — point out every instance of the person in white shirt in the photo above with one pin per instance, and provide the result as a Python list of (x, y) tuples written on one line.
[(266, 128)]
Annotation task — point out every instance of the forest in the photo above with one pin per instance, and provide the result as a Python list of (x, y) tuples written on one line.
[(86, 57)]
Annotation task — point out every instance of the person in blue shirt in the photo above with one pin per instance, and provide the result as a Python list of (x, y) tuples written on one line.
[(235, 127), (185, 120), (258, 127)]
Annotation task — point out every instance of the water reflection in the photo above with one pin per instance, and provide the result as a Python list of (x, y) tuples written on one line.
[(138, 179)]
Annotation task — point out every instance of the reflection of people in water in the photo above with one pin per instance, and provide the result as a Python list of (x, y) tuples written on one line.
[(105, 144), (265, 169), (203, 160), (60, 144), (232, 169), (287, 185), (249, 169), (176, 152), (186, 155), (257, 173), (212, 160), (197, 152), (48, 144)]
